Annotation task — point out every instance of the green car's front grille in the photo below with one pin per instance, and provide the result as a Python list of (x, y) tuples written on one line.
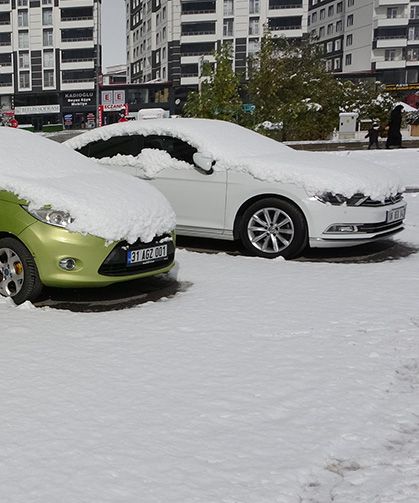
[(115, 263)]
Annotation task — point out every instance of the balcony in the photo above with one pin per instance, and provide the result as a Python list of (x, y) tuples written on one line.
[(384, 22), (385, 65), (389, 42), (190, 8), (196, 29), (5, 5), (390, 3)]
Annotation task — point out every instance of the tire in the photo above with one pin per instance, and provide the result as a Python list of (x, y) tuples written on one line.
[(272, 228), (19, 278)]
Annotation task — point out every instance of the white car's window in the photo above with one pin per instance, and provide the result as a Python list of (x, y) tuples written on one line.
[(133, 145)]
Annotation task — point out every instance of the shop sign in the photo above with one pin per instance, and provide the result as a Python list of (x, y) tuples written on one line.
[(38, 109), (79, 99), (113, 97), (109, 108)]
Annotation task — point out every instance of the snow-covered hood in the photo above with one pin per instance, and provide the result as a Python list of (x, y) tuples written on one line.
[(103, 203), (317, 173), (240, 149)]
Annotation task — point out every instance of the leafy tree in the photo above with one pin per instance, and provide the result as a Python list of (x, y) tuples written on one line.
[(369, 99), (290, 86), (218, 97)]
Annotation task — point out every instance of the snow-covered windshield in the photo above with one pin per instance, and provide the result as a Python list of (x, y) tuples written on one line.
[(103, 203)]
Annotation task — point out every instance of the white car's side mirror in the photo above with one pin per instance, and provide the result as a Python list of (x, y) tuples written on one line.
[(204, 162)]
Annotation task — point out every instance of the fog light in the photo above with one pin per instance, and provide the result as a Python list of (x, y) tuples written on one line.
[(68, 264), (342, 228)]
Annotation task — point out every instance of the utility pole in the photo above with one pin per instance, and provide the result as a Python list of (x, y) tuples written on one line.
[(98, 60)]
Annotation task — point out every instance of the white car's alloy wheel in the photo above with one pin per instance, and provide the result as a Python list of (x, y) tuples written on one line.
[(272, 228)]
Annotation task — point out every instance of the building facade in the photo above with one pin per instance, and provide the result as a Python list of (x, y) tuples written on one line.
[(377, 38), (49, 60), (169, 39)]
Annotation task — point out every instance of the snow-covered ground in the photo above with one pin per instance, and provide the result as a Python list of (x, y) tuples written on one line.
[(263, 382)]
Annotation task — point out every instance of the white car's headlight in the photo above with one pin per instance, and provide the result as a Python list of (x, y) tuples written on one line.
[(52, 217)]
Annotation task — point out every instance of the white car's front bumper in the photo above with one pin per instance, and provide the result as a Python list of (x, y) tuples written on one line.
[(334, 226)]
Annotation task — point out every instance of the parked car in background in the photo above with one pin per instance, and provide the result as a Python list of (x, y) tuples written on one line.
[(65, 222), (227, 182)]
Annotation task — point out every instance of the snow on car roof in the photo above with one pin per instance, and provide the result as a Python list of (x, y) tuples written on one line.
[(240, 149), (103, 203)]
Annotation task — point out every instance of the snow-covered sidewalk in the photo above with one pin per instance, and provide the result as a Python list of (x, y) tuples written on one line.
[(265, 381)]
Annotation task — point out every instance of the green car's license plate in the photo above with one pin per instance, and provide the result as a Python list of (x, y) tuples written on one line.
[(147, 255)]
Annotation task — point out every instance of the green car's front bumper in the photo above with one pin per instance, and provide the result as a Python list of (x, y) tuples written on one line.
[(49, 245)]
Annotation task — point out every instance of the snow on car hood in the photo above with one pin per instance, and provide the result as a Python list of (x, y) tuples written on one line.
[(103, 203), (240, 149)]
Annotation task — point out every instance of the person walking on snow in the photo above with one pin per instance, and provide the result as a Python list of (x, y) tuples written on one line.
[(373, 135), (394, 137)]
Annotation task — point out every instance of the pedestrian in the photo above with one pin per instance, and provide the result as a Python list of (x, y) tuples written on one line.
[(373, 135), (394, 137)]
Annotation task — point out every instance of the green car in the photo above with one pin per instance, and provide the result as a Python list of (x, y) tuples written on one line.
[(48, 234)]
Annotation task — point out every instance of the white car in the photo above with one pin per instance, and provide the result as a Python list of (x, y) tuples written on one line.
[(227, 182)]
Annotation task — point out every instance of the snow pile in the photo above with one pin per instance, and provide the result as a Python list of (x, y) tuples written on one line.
[(150, 162), (103, 203), (263, 382), (238, 148)]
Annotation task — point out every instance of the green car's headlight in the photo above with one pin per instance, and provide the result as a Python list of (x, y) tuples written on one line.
[(49, 216)]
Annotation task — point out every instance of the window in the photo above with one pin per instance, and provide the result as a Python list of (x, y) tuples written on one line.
[(414, 12), (414, 33), (24, 81), (22, 3), (254, 26), (392, 12), (348, 59), (330, 29), (329, 65), (48, 59), (350, 20), (339, 26), (338, 44), (228, 27), (314, 17), (48, 78), (339, 8), (322, 13), (228, 8), (336, 64), (47, 38), (350, 3), (329, 47), (390, 54), (254, 46), (330, 11), (412, 54), (46, 17), (322, 31), (23, 59), (46, 2), (349, 40), (254, 7), (23, 40), (22, 18)]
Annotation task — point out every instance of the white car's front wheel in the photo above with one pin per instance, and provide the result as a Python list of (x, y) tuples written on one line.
[(272, 228)]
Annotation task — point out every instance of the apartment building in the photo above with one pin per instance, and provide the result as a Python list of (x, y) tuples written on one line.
[(49, 56), (377, 38), (170, 39)]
